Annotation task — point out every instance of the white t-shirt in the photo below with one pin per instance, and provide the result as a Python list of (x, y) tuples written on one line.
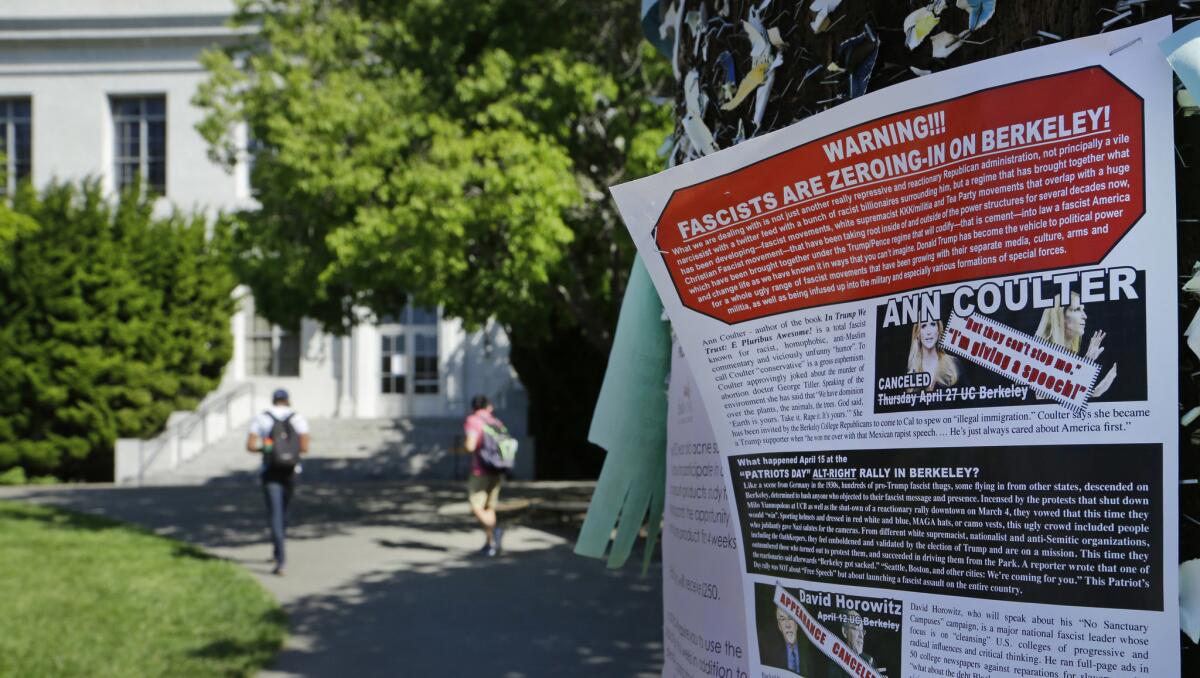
[(262, 424)]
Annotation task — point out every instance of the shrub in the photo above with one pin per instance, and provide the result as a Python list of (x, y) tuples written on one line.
[(110, 319)]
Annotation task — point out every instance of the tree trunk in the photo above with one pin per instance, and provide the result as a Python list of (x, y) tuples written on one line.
[(562, 375)]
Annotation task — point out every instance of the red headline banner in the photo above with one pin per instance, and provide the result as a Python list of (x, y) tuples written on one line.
[(1037, 175)]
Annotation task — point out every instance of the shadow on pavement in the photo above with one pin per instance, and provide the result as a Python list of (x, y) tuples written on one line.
[(418, 608), (389, 544), (537, 613), (226, 516)]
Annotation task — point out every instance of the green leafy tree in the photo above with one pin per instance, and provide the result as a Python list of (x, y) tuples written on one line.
[(454, 150), (110, 319)]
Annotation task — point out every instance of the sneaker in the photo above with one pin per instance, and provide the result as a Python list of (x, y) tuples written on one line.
[(497, 535), (278, 571), (487, 551)]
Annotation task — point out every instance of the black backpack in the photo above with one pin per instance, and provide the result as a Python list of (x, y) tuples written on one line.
[(285, 451)]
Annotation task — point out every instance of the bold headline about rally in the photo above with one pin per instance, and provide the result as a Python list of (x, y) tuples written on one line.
[(915, 130)]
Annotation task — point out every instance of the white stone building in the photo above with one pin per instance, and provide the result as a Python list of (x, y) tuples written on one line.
[(103, 88)]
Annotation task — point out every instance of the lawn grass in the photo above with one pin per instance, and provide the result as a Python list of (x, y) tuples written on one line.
[(85, 596)]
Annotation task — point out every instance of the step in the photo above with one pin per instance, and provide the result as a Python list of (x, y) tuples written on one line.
[(349, 450)]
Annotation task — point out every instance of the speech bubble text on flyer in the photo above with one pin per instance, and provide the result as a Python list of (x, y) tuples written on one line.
[(1051, 371), (1040, 174)]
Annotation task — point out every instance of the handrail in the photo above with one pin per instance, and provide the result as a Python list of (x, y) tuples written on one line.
[(182, 428)]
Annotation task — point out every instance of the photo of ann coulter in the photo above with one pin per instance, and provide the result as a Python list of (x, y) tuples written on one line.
[(914, 371), (926, 357), (1064, 326), (841, 631)]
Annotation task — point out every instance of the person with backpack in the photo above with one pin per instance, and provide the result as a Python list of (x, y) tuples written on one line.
[(280, 435), (492, 454)]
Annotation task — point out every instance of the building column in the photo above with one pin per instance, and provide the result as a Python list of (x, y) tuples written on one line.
[(236, 371), (345, 407), (365, 367)]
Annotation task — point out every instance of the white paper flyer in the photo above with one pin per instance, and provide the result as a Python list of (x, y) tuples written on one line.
[(934, 331)]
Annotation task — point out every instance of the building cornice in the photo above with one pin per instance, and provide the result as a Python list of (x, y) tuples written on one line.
[(119, 29)]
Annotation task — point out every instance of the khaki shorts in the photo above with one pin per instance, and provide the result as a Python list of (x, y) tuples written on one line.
[(483, 491)]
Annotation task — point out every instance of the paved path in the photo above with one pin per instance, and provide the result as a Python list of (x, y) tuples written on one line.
[(382, 580)]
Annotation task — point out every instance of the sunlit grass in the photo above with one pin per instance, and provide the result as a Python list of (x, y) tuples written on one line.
[(85, 596)]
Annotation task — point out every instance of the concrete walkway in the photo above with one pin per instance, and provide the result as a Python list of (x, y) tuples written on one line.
[(383, 580)]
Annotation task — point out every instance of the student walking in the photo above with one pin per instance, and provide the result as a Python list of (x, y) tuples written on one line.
[(483, 486), (280, 435)]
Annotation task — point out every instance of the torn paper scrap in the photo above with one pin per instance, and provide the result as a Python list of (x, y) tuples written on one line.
[(694, 128), (753, 79), (1193, 283), (979, 12), (760, 55), (764, 92), (857, 54), (775, 37), (1187, 103), (918, 25), (821, 10), (760, 50), (629, 422), (1182, 50), (1193, 334), (944, 43), (729, 75), (1189, 599), (695, 21)]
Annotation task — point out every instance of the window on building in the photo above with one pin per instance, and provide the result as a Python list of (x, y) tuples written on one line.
[(16, 142), (425, 364), (394, 365), (418, 315), (412, 315), (418, 333), (272, 351), (140, 135)]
